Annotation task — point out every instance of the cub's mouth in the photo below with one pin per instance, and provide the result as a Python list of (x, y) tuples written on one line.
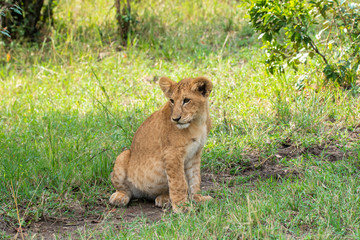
[(182, 125)]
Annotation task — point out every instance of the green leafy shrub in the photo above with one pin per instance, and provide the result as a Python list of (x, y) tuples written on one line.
[(6, 9), (25, 18), (327, 31)]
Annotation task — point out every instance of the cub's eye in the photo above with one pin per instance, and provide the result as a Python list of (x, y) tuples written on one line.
[(186, 100), (172, 101)]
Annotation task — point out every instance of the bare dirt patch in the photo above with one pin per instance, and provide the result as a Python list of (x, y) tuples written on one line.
[(256, 166), (329, 152)]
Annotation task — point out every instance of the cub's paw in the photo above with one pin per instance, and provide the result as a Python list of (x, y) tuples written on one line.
[(199, 198), (163, 201), (183, 207), (119, 198)]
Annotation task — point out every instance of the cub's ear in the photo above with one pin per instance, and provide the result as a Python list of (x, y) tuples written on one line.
[(202, 85), (167, 86)]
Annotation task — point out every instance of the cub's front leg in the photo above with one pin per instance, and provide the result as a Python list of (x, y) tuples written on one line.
[(178, 188), (192, 172)]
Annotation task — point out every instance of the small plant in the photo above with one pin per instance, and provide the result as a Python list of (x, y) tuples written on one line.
[(327, 31), (124, 18)]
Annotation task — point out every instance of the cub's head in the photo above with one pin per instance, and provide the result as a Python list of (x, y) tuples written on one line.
[(188, 99)]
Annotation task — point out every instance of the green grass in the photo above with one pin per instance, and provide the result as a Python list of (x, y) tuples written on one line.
[(321, 205), (71, 103)]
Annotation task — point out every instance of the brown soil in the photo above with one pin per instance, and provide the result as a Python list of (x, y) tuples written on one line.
[(255, 168), (260, 167)]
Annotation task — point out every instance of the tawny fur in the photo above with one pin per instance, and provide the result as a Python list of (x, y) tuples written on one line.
[(163, 162)]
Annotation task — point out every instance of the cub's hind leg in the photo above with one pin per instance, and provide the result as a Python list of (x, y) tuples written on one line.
[(123, 194)]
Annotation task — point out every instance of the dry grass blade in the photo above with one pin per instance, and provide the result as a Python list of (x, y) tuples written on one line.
[(14, 195)]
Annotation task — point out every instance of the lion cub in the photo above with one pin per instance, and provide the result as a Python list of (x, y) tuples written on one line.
[(163, 162)]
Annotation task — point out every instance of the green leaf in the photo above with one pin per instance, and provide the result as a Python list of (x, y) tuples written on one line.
[(6, 33)]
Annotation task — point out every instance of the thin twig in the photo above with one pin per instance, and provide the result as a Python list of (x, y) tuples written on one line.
[(314, 47), (263, 161), (312, 44), (102, 151)]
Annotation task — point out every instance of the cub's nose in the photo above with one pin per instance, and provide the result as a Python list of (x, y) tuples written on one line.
[(176, 119)]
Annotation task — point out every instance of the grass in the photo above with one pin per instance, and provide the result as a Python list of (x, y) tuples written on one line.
[(71, 103), (314, 207)]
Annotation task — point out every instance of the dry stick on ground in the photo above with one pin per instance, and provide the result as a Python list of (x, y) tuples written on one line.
[(263, 161)]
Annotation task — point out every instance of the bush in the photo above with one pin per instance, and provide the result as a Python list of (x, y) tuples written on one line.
[(328, 31), (27, 17), (7, 8)]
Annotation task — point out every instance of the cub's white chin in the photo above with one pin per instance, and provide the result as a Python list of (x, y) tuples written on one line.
[(182, 126)]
